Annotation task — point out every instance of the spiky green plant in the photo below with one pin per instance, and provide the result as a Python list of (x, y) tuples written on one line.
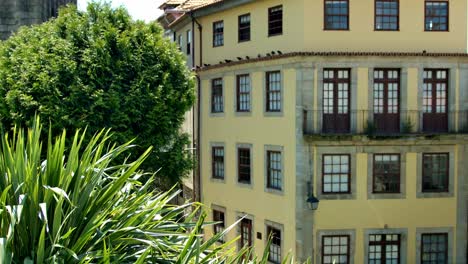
[(77, 206)]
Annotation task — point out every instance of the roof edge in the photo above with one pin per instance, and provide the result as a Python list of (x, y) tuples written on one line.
[(331, 54)]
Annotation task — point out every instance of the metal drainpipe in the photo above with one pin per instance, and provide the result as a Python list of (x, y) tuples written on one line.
[(197, 117)]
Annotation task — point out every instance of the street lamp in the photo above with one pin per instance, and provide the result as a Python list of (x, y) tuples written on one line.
[(312, 202)]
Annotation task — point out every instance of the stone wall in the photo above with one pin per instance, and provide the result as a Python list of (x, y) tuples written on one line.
[(16, 13)]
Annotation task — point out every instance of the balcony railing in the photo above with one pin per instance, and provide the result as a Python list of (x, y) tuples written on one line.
[(317, 122)]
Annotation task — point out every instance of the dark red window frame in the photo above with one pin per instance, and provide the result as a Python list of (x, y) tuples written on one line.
[(242, 96), (347, 254), (246, 230), (383, 243), (273, 96), (244, 27), (219, 216), (274, 173), (218, 33), (336, 174), (275, 247), (386, 105), (438, 252), (244, 169), (425, 173), (427, 16), (385, 174), (339, 16), (275, 20), (336, 116), (384, 15), (217, 165), (217, 101)]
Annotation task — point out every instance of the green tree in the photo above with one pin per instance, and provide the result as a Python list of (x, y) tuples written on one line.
[(99, 69)]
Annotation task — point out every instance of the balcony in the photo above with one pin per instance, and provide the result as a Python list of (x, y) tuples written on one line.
[(365, 122)]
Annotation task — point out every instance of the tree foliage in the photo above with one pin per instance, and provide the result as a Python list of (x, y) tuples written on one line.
[(99, 69)]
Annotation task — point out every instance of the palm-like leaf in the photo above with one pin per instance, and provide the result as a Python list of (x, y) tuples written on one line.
[(77, 206)]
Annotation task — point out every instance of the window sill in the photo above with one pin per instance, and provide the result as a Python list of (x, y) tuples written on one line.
[(336, 196), (274, 191), (245, 185), (434, 194), (273, 113), (376, 196), (218, 180), (217, 114)]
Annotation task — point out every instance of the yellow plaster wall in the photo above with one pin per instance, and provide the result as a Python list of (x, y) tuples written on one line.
[(407, 213), (259, 131), (362, 37), (292, 38)]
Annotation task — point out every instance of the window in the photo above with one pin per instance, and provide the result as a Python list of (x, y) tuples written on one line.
[(274, 171), (244, 27), (386, 15), (273, 91), (434, 248), (435, 100), (435, 172), (275, 247), (437, 16), (218, 162), (218, 33), (244, 165), (217, 104), (387, 100), (384, 249), (335, 249), (275, 20), (386, 173), (336, 101), (189, 42), (246, 233), (243, 93), (336, 174), (179, 42), (218, 216), (336, 15)]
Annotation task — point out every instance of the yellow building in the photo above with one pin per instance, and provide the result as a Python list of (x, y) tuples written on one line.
[(362, 104)]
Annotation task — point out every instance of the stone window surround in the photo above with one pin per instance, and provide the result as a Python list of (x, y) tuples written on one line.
[(336, 232), (279, 227), (370, 172), (280, 149), (239, 216), (217, 144), (426, 230), (403, 232), (217, 114), (264, 92), (245, 113), (353, 76), (239, 184), (221, 209), (419, 170), (318, 179)]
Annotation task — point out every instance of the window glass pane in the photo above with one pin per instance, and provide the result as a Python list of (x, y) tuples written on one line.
[(336, 174), (436, 16), (218, 33), (335, 249), (336, 14), (435, 172), (275, 21)]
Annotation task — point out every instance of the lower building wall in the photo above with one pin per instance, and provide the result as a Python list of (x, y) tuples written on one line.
[(409, 214)]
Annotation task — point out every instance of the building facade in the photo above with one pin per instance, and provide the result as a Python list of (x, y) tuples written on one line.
[(17, 13), (361, 104)]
